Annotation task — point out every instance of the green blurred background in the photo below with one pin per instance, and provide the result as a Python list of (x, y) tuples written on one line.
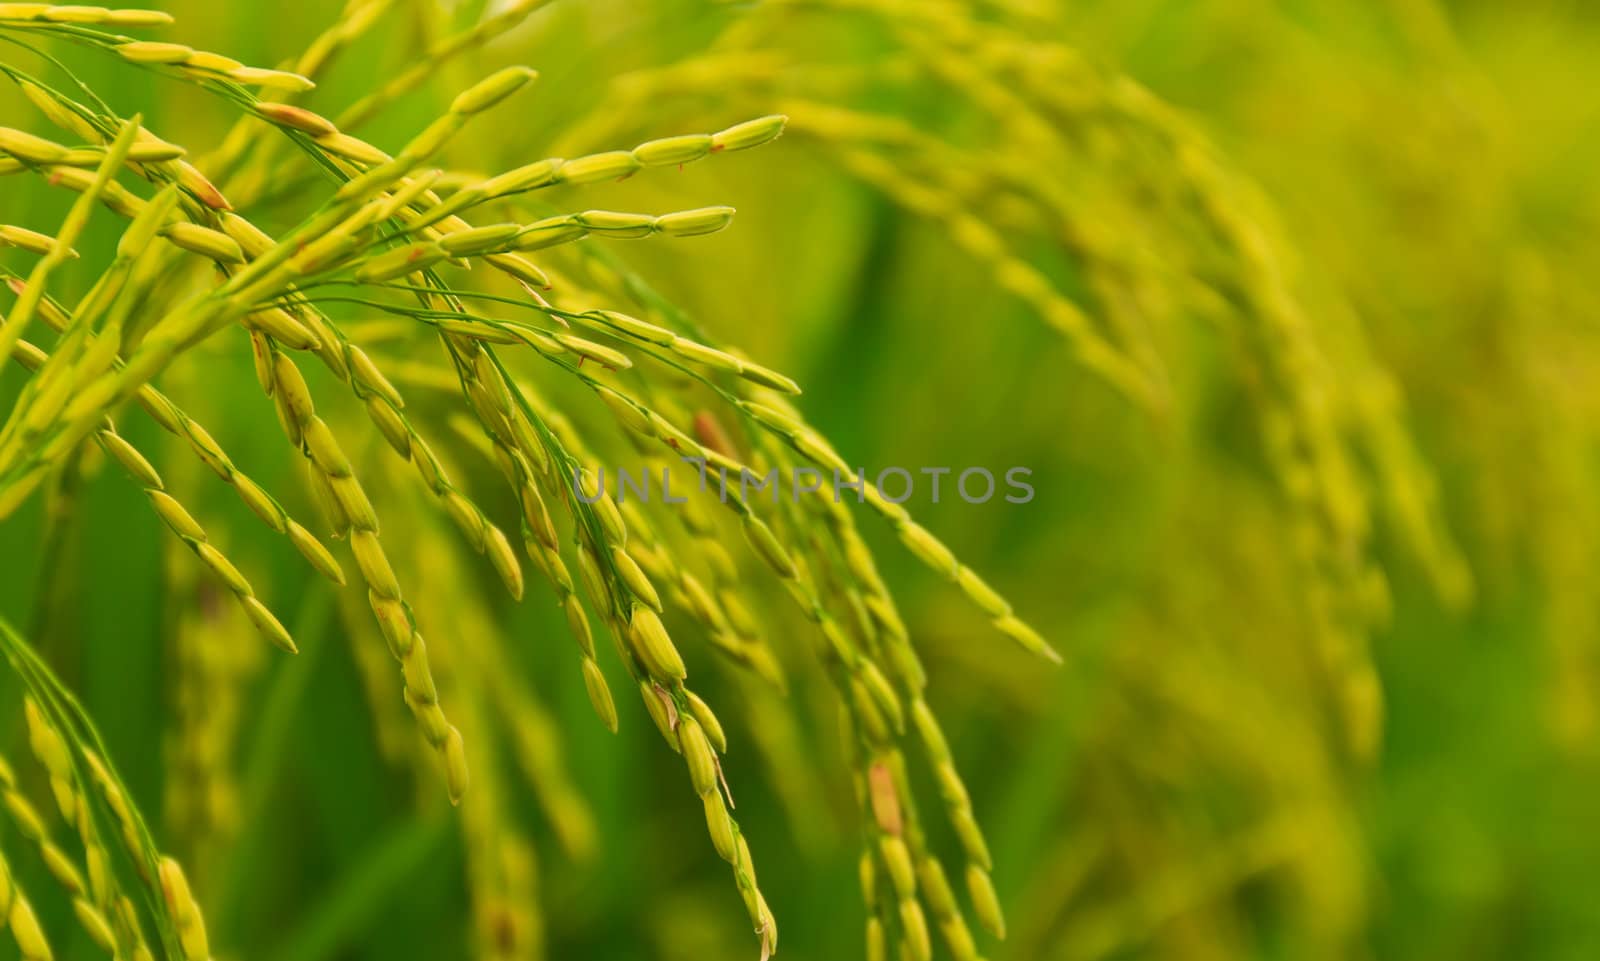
[(1172, 791)]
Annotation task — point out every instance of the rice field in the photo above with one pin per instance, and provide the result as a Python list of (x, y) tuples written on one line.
[(882, 479)]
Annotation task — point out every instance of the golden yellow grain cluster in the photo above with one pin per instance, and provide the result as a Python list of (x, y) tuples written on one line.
[(390, 235)]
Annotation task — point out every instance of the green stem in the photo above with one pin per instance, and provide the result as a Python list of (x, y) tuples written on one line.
[(273, 726), (358, 897)]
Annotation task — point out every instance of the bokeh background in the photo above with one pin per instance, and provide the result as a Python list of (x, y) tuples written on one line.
[(1419, 174)]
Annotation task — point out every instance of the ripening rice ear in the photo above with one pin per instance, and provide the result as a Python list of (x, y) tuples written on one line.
[(207, 243)]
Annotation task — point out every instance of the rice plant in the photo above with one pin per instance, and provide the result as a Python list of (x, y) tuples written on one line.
[(548, 455)]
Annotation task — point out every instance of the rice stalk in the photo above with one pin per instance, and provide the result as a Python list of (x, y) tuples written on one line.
[(385, 235)]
